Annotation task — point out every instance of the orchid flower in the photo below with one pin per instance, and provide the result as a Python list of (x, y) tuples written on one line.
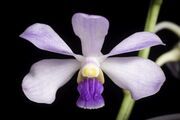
[(140, 76)]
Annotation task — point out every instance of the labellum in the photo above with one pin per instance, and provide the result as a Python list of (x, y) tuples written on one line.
[(90, 88)]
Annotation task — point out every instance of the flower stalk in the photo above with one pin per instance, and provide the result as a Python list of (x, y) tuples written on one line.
[(174, 54), (128, 102), (171, 56), (126, 106), (150, 24), (169, 26)]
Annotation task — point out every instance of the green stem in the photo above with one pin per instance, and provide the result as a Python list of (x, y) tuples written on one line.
[(128, 102), (170, 56), (174, 54), (151, 22), (169, 26), (126, 107)]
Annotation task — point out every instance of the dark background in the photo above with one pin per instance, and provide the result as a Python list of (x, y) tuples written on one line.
[(125, 17)]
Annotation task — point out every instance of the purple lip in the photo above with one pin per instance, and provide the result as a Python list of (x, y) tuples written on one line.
[(90, 90)]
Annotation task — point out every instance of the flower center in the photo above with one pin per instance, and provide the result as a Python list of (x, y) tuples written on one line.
[(90, 70), (90, 84)]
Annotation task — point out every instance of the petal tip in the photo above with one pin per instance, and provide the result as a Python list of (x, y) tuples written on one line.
[(32, 29), (33, 93), (78, 16), (156, 39), (84, 15), (152, 91)]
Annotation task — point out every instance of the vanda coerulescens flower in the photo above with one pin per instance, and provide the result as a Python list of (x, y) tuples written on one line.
[(140, 76)]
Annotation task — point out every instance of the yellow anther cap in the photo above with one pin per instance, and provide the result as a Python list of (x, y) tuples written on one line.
[(90, 70)]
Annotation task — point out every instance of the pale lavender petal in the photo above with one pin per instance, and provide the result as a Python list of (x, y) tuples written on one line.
[(45, 38), (46, 76), (140, 76), (90, 90), (91, 30), (136, 42)]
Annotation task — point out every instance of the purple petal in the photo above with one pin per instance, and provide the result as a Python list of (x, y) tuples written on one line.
[(140, 76), (136, 42), (91, 30), (45, 38), (46, 76), (90, 91)]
